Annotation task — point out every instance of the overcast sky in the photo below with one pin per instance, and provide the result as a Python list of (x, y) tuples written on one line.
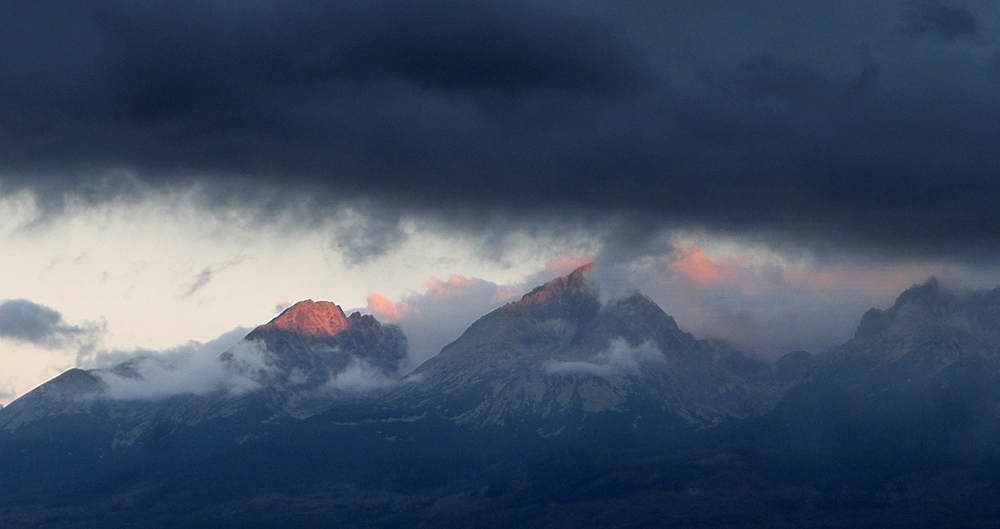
[(766, 171)]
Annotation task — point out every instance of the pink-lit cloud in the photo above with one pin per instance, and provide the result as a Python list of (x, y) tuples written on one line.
[(560, 265), (697, 267), (454, 285), (385, 309)]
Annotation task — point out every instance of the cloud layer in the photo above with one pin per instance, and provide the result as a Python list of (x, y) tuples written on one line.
[(759, 301), (836, 125), (192, 368), (25, 321), (856, 135)]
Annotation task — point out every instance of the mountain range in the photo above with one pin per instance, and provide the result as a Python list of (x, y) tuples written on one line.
[(558, 409)]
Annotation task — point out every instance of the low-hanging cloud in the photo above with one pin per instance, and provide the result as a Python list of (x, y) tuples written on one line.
[(25, 321), (360, 377), (759, 301), (193, 368), (201, 368), (619, 359)]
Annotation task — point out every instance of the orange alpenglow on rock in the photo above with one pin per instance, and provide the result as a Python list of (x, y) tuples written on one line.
[(317, 319), (574, 284)]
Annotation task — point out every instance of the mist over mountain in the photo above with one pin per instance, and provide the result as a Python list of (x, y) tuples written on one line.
[(559, 407), (915, 390)]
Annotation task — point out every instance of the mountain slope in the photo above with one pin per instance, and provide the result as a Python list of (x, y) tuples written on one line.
[(312, 342), (558, 354), (916, 389)]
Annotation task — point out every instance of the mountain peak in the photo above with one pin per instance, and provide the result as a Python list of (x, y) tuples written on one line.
[(928, 294), (565, 291), (915, 304), (574, 283), (312, 348), (317, 319)]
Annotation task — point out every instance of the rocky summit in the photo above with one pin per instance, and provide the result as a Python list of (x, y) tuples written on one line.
[(312, 353), (314, 319)]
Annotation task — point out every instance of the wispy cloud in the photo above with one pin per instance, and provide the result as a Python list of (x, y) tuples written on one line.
[(206, 275), (439, 314), (25, 321)]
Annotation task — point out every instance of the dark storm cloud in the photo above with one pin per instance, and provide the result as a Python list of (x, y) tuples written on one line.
[(836, 125), (23, 320)]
